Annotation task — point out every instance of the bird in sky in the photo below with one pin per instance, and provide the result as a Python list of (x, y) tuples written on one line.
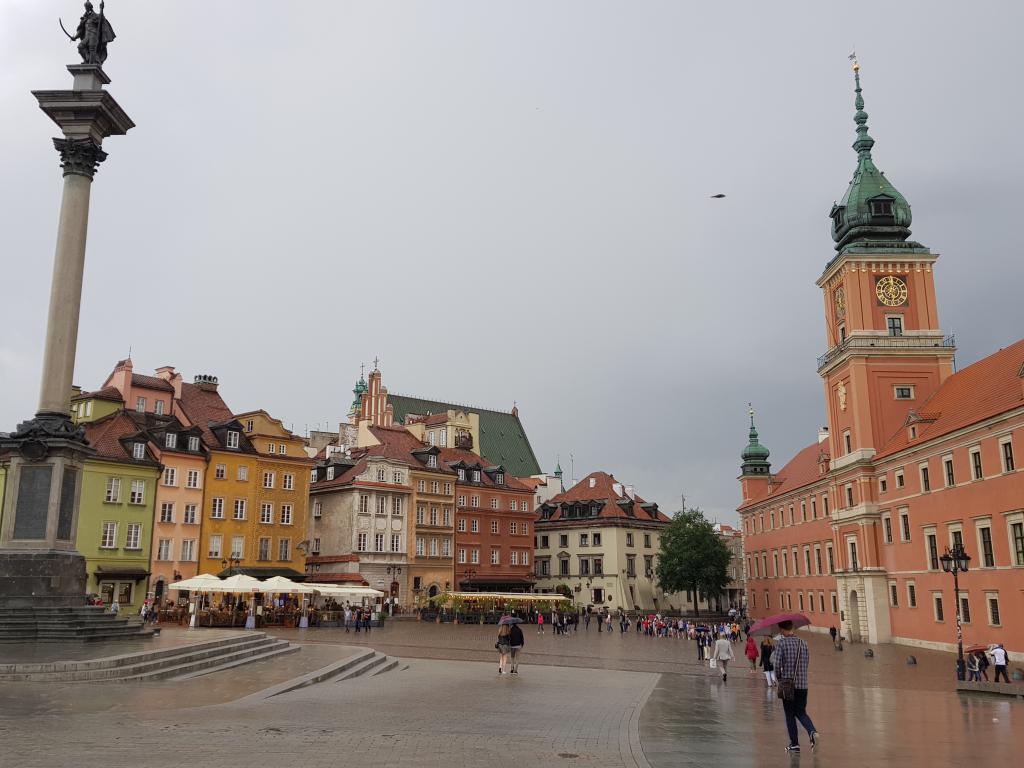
[(719, 196)]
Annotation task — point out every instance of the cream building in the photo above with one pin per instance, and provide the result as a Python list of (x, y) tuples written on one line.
[(601, 540)]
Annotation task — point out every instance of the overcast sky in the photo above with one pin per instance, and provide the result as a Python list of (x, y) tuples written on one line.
[(510, 202)]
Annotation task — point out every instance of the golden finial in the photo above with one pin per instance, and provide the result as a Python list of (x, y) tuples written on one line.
[(856, 64)]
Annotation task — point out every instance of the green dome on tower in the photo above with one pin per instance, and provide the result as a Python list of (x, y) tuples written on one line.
[(872, 214), (358, 391), (755, 455)]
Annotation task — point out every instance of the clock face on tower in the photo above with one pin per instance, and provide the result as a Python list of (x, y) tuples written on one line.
[(891, 291)]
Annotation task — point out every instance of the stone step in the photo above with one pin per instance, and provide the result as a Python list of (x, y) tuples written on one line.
[(317, 676), (388, 665), (220, 663), (142, 664), (371, 663)]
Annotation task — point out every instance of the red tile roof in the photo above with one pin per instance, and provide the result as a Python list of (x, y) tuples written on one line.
[(980, 391), (452, 455), (151, 382), (603, 490), (106, 434), (204, 407), (801, 470), (112, 394)]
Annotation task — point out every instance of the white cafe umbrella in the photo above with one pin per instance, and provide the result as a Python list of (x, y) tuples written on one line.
[(195, 584), (287, 586)]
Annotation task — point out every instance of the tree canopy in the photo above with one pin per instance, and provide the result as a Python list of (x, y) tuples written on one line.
[(693, 556)]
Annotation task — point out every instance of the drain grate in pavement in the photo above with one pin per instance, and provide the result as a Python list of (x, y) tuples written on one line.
[(567, 754)]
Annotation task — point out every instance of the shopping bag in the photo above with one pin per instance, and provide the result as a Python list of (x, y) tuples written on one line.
[(713, 663)]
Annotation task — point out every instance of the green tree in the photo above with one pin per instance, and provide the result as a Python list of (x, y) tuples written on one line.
[(693, 557)]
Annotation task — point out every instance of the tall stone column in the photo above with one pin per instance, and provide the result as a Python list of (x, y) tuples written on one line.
[(44, 457)]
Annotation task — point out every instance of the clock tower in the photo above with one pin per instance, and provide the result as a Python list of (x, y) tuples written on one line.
[(886, 353)]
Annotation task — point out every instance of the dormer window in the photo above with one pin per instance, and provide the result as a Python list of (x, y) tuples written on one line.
[(881, 206), (476, 475), (432, 461), (330, 473), (462, 474), (193, 443), (837, 218), (171, 440), (138, 450), (232, 439), (500, 478), (158, 407)]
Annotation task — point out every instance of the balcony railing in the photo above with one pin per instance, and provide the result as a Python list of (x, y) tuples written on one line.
[(886, 342)]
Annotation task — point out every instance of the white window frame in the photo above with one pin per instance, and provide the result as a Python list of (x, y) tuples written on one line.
[(286, 514), (288, 482), (113, 492), (193, 443), (896, 391), (137, 494), (218, 550), (170, 439), (108, 535), (906, 532), (170, 477), (191, 514), (991, 595), (138, 451), (217, 508), (232, 439), (133, 536), (887, 537), (192, 478), (1003, 441), (267, 513), (269, 479), (188, 550)]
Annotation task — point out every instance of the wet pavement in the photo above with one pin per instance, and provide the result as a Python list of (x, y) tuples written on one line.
[(584, 700)]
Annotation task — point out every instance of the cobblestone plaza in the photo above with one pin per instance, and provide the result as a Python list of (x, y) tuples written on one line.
[(590, 699)]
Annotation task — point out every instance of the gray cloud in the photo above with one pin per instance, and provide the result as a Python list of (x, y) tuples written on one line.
[(510, 202)]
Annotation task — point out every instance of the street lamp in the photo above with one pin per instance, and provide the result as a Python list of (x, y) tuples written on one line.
[(468, 575), (230, 564), (954, 561)]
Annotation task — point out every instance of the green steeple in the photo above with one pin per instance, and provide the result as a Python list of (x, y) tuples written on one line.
[(755, 455), (558, 470), (872, 214), (358, 391)]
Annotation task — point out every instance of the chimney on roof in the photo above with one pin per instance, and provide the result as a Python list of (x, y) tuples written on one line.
[(172, 377), (593, 482), (631, 491), (205, 382), (822, 435), (617, 487)]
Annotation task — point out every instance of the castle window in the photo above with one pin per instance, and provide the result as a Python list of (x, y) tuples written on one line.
[(894, 323), (904, 393)]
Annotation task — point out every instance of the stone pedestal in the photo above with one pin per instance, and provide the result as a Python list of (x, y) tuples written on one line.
[(44, 457)]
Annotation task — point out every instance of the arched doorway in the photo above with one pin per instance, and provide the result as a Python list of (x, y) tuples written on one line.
[(158, 591), (853, 616), (432, 592)]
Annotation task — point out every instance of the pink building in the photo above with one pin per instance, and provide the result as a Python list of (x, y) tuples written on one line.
[(916, 458)]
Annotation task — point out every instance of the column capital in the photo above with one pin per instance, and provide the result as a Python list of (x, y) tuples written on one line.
[(79, 156)]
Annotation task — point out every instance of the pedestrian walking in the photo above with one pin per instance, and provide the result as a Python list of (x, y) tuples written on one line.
[(586, 620), (367, 620), (516, 643), (348, 618), (504, 647), (999, 662), (973, 668), (833, 632), (540, 623), (608, 622), (767, 649), (751, 653), (791, 660), (723, 654)]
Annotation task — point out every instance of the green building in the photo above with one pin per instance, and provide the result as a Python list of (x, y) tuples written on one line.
[(116, 513)]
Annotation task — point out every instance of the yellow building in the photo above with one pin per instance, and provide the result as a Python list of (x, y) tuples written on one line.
[(280, 496)]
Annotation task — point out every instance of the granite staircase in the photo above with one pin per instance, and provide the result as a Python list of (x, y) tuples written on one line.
[(61, 624), (178, 663)]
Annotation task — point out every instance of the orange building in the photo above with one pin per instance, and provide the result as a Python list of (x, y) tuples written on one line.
[(916, 458)]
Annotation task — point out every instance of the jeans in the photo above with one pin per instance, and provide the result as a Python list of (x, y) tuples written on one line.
[(797, 710), (1001, 670)]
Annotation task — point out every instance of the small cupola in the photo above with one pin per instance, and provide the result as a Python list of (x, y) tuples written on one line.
[(755, 455)]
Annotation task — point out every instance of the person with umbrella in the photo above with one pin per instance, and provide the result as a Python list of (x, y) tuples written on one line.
[(791, 659), (505, 642), (516, 642)]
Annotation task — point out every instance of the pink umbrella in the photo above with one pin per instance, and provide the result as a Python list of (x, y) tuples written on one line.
[(770, 624)]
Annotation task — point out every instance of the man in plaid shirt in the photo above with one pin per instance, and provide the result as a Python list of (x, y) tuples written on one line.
[(790, 659)]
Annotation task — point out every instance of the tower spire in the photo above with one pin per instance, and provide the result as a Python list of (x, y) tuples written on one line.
[(755, 455), (863, 142)]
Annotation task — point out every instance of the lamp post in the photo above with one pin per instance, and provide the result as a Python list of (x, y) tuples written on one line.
[(230, 564), (468, 575), (954, 561)]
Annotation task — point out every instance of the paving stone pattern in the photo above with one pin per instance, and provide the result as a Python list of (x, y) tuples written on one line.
[(587, 700)]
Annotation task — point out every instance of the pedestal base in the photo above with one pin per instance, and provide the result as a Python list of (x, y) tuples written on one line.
[(42, 579)]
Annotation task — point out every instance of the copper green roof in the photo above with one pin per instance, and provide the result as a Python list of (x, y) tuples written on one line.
[(503, 440), (872, 214), (755, 455)]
